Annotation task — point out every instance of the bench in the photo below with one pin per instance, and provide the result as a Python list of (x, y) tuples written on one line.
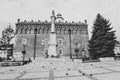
[(5, 64)]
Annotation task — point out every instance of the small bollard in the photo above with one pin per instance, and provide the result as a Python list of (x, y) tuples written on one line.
[(83, 74), (91, 74), (68, 69), (67, 74), (51, 75), (43, 66), (24, 71), (80, 71), (11, 70)]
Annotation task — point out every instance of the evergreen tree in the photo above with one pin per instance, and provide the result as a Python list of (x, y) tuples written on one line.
[(7, 35), (102, 42)]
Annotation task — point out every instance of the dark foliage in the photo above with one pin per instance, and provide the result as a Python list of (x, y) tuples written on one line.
[(7, 35), (103, 38)]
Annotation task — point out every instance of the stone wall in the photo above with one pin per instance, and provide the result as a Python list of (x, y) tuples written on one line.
[(25, 30)]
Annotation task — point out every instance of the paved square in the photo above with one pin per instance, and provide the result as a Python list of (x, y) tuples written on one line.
[(66, 73), (95, 71), (35, 75), (8, 76), (114, 68), (56, 69), (111, 76), (73, 78)]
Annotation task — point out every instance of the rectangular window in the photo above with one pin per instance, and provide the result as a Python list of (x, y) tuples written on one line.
[(60, 42), (46, 41), (42, 42)]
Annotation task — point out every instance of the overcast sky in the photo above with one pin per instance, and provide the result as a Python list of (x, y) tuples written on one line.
[(72, 10)]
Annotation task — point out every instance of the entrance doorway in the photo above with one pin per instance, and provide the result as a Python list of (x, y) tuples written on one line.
[(46, 52), (60, 52)]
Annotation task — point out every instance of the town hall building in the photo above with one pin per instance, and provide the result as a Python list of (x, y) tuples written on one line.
[(37, 33)]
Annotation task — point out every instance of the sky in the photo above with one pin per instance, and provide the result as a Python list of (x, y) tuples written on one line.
[(71, 10)]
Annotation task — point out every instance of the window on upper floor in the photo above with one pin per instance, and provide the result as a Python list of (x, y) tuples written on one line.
[(64, 31), (76, 31), (47, 31), (60, 42), (46, 41), (42, 42)]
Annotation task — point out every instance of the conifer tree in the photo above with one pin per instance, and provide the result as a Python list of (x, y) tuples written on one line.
[(7, 35), (103, 39)]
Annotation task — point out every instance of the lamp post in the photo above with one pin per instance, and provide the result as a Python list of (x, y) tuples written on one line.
[(76, 49), (83, 54), (35, 32), (69, 32), (24, 52), (24, 42)]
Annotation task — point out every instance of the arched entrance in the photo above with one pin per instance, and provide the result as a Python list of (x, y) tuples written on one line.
[(60, 52)]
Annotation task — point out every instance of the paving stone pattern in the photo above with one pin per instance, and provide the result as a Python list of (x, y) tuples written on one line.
[(62, 69)]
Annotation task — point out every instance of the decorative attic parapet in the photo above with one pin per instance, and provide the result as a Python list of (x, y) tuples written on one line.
[(76, 27), (48, 22)]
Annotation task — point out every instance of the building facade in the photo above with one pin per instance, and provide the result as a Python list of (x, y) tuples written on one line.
[(117, 48), (3, 53), (6, 51), (26, 30)]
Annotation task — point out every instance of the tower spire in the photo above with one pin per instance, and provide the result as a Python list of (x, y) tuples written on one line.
[(53, 18), (53, 13)]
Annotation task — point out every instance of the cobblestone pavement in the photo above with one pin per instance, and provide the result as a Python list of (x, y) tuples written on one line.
[(62, 69)]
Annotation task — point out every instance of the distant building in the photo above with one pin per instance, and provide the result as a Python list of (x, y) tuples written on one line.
[(6, 51), (117, 48), (26, 30), (3, 53)]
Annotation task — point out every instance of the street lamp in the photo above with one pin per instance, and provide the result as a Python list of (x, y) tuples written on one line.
[(76, 49), (83, 54), (69, 32), (35, 32), (24, 43)]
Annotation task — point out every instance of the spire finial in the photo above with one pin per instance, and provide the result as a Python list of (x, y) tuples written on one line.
[(53, 13)]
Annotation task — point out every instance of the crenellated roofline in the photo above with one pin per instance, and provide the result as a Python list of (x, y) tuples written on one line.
[(46, 22), (23, 26)]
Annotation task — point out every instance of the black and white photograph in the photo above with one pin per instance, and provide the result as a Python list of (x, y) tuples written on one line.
[(59, 40)]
